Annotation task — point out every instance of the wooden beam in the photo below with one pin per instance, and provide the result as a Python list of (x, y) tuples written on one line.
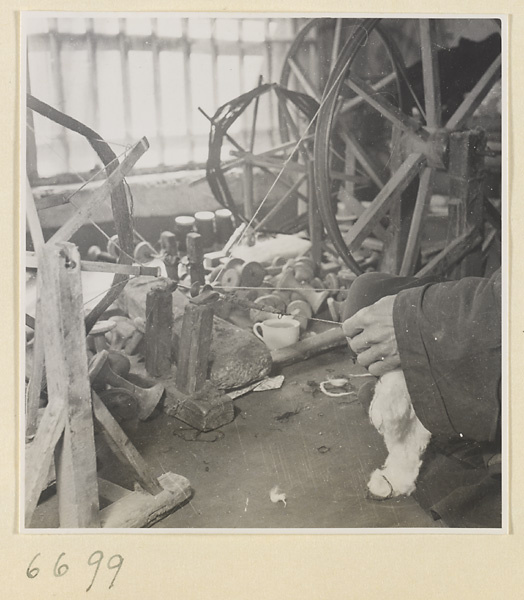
[(37, 366), (39, 455), (88, 210), (466, 194), (138, 509), (123, 448), (194, 347), (31, 262), (159, 326), (68, 381)]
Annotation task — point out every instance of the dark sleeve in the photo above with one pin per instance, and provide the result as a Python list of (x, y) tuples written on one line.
[(449, 339)]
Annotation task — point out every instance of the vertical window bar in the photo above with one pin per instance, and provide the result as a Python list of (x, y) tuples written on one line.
[(157, 92), (93, 65), (30, 148), (186, 45), (268, 48), (242, 81), (124, 66), (58, 79), (214, 64)]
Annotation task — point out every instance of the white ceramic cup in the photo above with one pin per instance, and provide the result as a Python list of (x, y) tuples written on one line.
[(278, 333)]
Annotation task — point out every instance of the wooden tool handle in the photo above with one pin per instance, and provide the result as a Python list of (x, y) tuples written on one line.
[(332, 338)]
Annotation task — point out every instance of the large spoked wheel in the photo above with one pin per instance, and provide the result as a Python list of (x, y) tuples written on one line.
[(364, 114), (288, 166), (120, 199)]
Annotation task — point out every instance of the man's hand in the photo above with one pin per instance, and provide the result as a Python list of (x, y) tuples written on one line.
[(371, 336)]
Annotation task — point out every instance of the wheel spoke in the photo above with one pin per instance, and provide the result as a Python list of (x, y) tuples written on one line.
[(430, 72), (379, 85), (364, 158), (304, 80), (475, 97), (415, 231), (385, 198), (353, 204), (281, 202), (385, 108)]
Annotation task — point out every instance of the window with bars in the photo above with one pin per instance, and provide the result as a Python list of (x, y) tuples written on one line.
[(126, 77)]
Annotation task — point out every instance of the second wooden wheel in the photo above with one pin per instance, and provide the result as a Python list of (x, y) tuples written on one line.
[(437, 105)]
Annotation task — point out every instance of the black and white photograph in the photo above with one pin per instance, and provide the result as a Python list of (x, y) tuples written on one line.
[(263, 281)]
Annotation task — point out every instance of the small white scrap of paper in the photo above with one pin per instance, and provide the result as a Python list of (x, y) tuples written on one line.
[(269, 383), (276, 495)]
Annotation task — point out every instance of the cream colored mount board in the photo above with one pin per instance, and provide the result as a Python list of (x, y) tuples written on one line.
[(317, 565)]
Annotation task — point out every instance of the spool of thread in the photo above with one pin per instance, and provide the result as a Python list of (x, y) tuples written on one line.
[(224, 225), (183, 226), (205, 226)]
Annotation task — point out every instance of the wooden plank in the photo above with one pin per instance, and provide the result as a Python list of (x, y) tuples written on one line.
[(430, 72), (123, 448), (88, 210), (389, 194), (31, 262), (138, 509), (194, 347), (419, 214), (67, 378), (475, 96), (37, 366), (159, 327), (39, 455), (388, 110)]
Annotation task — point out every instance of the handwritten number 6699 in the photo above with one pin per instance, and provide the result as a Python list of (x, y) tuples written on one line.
[(95, 560)]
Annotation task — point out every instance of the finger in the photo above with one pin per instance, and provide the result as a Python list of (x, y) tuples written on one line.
[(376, 353), (355, 324), (359, 343), (384, 366)]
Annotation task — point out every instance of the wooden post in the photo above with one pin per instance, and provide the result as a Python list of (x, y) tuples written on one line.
[(195, 255), (68, 382), (159, 326), (466, 199), (193, 353)]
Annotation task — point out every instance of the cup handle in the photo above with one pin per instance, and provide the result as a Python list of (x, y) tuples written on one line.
[(256, 331)]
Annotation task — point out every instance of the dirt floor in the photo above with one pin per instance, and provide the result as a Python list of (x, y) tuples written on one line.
[(318, 450)]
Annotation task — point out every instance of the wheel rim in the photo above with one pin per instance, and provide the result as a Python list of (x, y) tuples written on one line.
[(417, 164)]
